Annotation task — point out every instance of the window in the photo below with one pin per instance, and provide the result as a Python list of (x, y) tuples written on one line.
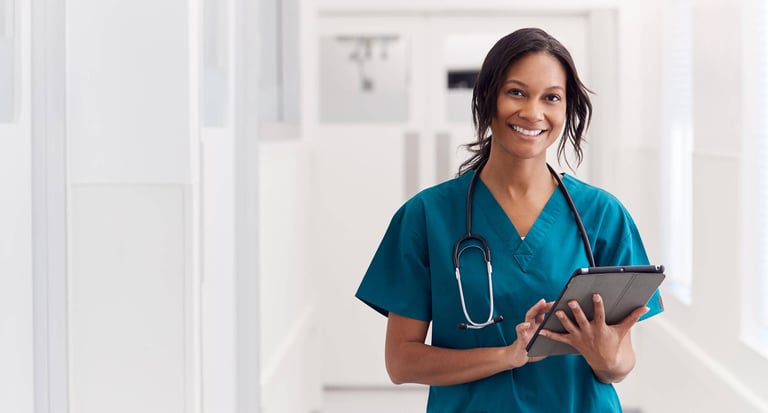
[(677, 167), (755, 175), (759, 149), (7, 62), (215, 68)]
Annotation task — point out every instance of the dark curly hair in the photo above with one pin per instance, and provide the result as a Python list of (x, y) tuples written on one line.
[(503, 54)]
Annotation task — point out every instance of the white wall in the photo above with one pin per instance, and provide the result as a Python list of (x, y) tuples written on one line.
[(288, 310), (158, 305), (16, 286), (692, 357), (131, 272)]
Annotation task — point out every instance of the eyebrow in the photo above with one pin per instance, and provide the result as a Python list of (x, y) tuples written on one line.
[(517, 82)]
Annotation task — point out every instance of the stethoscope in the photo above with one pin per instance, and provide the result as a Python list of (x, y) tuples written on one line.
[(469, 236)]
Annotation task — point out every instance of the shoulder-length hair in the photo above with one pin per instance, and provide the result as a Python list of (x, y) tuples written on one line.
[(503, 54)]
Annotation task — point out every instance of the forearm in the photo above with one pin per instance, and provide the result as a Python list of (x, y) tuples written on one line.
[(410, 360), (413, 362)]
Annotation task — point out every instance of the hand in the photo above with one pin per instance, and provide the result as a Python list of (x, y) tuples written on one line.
[(601, 345), (525, 331)]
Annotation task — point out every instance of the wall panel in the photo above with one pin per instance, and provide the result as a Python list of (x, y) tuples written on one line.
[(129, 322), (291, 351), (128, 90)]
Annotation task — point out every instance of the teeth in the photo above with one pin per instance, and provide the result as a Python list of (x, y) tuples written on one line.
[(527, 132)]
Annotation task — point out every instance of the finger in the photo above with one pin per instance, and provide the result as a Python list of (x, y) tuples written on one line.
[(632, 318), (534, 311), (566, 322), (545, 308), (563, 338), (597, 300), (578, 314)]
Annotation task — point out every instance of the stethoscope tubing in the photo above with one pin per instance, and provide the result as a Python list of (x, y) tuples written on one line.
[(457, 250)]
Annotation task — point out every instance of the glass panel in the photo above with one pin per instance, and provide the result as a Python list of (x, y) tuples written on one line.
[(214, 102), (761, 174), (464, 54), (364, 78), (677, 165), (7, 62), (5, 18)]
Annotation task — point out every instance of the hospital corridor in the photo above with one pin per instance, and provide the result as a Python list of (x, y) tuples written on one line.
[(207, 205)]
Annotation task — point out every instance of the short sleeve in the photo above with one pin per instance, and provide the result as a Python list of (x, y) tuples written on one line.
[(398, 279), (629, 251)]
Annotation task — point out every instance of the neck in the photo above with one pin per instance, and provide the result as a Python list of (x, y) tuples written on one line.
[(520, 178)]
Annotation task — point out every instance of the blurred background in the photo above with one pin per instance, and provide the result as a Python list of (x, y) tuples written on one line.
[(191, 191)]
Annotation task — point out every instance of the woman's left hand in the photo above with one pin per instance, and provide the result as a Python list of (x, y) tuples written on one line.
[(607, 348)]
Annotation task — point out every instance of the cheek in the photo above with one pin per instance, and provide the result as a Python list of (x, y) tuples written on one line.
[(504, 106), (558, 118)]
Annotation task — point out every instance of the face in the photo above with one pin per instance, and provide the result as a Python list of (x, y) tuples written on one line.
[(530, 108)]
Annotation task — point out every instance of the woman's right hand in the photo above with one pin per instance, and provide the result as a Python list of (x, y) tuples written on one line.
[(533, 318)]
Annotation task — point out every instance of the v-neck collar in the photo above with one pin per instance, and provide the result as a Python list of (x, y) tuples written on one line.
[(493, 216)]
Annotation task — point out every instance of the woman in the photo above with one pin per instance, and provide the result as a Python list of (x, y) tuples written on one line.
[(528, 96)]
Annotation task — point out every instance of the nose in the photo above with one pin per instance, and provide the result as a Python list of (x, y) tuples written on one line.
[(532, 110)]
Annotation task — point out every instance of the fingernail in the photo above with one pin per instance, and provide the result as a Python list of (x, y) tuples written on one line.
[(560, 314), (597, 297), (572, 304)]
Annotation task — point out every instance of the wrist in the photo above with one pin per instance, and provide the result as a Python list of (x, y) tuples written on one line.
[(612, 371), (514, 357)]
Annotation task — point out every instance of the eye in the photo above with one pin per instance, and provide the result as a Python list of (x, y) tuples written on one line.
[(515, 92), (553, 98)]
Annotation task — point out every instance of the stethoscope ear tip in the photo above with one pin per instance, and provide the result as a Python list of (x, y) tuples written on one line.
[(462, 326)]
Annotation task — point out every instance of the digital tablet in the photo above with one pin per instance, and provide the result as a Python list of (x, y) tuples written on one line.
[(623, 289)]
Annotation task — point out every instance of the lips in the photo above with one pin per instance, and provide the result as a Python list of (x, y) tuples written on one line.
[(527, 132)]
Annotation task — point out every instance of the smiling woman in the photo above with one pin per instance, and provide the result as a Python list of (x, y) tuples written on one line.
[(528, 95)]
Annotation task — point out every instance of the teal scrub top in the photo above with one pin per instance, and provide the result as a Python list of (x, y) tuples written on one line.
[(411, 274)]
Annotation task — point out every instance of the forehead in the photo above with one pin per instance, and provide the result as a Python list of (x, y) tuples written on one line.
[(537, 69)]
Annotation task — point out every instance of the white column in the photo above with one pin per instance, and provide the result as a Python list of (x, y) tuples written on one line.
[(132, 214), (16, 285)]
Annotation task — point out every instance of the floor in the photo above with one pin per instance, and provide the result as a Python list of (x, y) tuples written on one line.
[(375, 400), (381, 400)]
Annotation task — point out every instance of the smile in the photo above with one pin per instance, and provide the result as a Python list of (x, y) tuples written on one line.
[(526, 132)]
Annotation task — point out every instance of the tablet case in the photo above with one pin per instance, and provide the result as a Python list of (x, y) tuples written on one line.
[(623, 289)]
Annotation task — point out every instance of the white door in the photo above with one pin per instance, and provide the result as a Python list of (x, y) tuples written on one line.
[(371, 117), (389, 125)]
